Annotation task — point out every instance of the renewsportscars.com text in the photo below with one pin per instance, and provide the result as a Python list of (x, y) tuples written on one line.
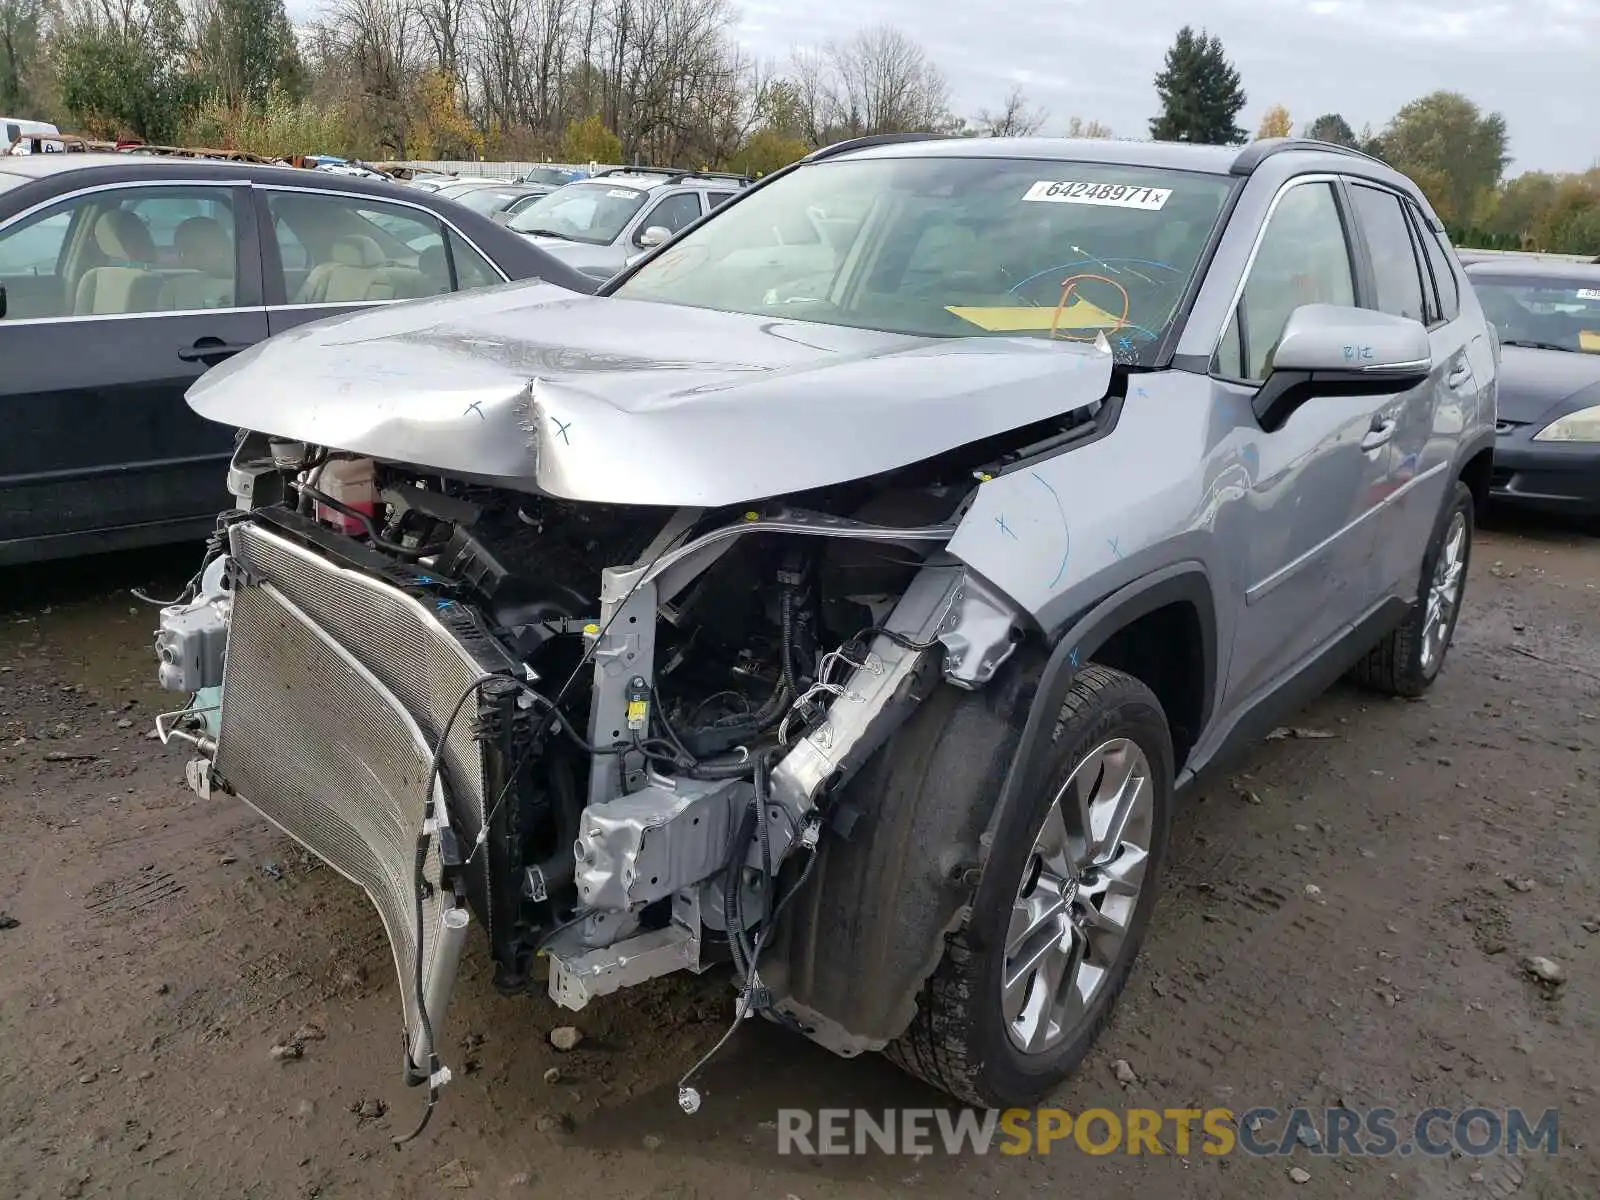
[(1259, 1132)]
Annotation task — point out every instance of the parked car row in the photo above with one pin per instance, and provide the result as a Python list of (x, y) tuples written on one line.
[(597, 223), (124, 277), (1547, 315)]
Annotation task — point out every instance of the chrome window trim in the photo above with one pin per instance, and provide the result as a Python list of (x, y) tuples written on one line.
[(9, 323), (122, 185), (1327, 177), (400, 202), (1424, 271), (352, 304)]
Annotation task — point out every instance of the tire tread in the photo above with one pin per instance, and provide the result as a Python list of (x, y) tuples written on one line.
[(936, 1047), (1394, 666)]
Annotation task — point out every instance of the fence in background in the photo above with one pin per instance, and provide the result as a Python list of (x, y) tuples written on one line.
[(498, 170)]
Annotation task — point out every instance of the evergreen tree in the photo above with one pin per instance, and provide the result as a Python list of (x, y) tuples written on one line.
[(1331, 127), (247, 46), (1200, 93)]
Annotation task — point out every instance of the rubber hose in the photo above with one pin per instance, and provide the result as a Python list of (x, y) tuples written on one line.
[(763, 765), (731, 917), (786, 643), (559, 868), (720, 769), (714, 739)]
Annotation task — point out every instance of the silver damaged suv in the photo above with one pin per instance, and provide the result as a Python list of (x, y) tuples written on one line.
[(846, 591)]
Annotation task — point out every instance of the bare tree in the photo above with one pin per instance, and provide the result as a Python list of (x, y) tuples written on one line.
[(503, 39), (879, 81), (810, 81), (377, 43), (884, 83), (1015, 118), (446, 23), (1079, 128)]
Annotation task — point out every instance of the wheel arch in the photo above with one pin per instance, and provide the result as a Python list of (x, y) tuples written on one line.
[(892, 899), (1172, 603), (1477, 470)]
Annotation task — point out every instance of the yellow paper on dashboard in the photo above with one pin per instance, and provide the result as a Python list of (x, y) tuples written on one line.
[(1031, 318)]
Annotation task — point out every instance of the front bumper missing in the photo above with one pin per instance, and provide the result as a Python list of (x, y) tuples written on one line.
[(322, 747)]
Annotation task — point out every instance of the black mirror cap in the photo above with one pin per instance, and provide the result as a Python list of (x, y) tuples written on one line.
[(1285, 391)]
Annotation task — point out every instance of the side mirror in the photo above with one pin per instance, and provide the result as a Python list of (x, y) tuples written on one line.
[(1333, 337), (1335, 347), (654, 236)]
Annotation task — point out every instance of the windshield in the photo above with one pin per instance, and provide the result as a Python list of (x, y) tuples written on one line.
[(553, 176), (581, 212), (1547, 314), (488, 200), (953, 247)]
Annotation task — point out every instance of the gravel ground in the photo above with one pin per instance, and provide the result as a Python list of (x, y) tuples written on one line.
[(1345, 920)]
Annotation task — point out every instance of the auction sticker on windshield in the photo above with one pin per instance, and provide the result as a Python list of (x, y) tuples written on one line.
[(1111, 195)]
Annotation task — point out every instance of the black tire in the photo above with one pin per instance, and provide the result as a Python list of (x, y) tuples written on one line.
[(958, 1040), (1396, 666)]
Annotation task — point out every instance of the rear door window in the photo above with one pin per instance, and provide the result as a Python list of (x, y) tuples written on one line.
[(355, 250), (1395, 268), (472, 269), (1444, 276)]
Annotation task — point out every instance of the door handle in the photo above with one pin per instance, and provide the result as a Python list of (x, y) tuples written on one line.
[(1379, 434), (207, 348), (1459, 375)]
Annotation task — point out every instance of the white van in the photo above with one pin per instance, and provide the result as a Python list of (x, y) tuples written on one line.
[(14, 129)]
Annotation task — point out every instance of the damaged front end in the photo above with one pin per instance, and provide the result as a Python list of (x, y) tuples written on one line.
[(605, 734)]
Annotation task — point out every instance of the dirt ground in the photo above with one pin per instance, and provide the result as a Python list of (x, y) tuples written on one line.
[(1344, 922)]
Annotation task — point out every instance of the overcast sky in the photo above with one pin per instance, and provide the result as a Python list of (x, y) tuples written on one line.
[(1535, 61)]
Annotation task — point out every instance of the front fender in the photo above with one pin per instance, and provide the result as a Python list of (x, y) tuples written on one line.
[(1183, 582), (871, 929)]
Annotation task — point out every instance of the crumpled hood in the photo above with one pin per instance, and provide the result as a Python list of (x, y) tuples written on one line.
[(623, 401), (1539, 385)]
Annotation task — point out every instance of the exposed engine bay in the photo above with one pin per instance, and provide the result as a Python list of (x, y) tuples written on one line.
[(607, 733)]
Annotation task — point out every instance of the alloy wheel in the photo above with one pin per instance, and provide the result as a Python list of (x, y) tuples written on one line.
[(1444, 594), (1076, 900)]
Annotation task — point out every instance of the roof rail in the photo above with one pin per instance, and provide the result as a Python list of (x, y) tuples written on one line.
[(673, 174), (733, 175), (1258, 151), (876, 139), (638, 171)]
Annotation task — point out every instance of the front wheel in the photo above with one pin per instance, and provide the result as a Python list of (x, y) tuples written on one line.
[(1056, 922), (1408, 659)]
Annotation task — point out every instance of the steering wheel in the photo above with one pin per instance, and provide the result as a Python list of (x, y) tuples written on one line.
[(1108, 279), (1109, 264)]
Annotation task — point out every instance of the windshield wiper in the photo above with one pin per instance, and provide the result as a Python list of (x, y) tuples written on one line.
[(1526, 345), (548, 233)]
